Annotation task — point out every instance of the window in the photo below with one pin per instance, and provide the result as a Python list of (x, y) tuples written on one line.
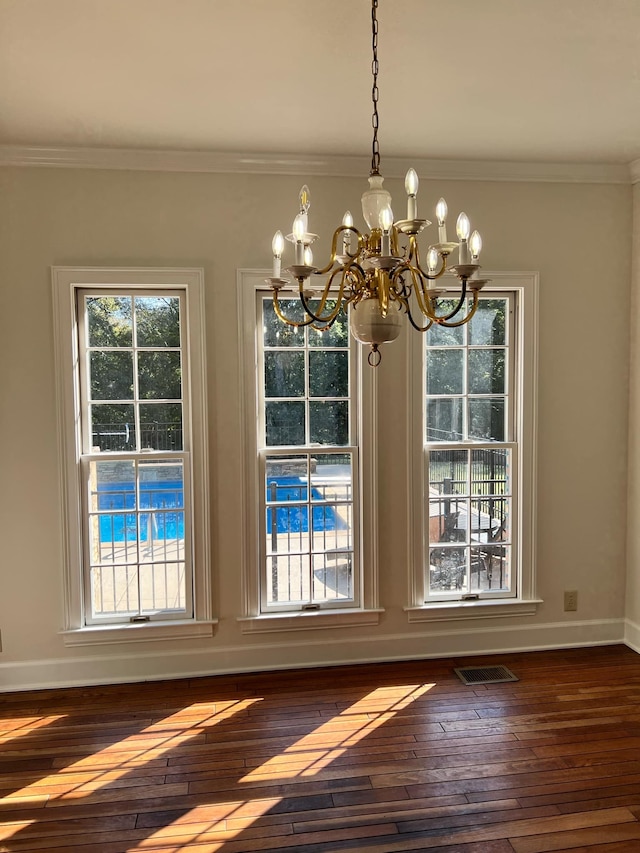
[(129, 351), (473, 495), (304, 441)]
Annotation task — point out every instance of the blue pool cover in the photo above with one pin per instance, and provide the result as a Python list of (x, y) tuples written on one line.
[(166, 502)]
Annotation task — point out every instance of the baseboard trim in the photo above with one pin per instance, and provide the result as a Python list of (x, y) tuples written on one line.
[(98, 668), (632, 635)]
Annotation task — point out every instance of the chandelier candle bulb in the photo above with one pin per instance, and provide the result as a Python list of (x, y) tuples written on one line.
[(305, 204), (433, 260), (441, 215), (347, 220), (386, 221), (411, 184), (277, 245), (475, 247), (298, 233), (308, 256), (463, 227)]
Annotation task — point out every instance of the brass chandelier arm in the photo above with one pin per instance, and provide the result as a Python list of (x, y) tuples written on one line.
[(298, 324), (465, 319), (415, 325), (416, 253), (334, 248), (459, 305), (422, 297), (329, 319), (317, 317), (425, 301)]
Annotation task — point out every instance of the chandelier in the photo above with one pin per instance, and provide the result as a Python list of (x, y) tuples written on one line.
[(378, 277)]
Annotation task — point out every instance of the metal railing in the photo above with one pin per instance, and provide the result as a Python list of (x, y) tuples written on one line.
[(118, 437)]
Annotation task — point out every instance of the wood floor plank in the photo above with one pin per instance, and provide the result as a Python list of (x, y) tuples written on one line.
[(566, 839)]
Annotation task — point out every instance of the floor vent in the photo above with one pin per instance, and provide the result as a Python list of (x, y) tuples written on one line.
[(485, 674)]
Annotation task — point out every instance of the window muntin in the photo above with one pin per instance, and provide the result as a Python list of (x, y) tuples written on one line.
[(308, 464), (471, 454), (135, 456)]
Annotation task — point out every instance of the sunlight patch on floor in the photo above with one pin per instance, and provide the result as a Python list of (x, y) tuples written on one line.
[(101, 769), (346, 729)]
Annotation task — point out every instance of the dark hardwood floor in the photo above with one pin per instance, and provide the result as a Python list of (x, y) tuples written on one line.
[(373, 759)]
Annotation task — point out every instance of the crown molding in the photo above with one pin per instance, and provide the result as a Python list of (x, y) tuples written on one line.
[(298, 164)]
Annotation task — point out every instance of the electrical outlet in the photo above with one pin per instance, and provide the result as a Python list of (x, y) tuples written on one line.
[(571, 599)]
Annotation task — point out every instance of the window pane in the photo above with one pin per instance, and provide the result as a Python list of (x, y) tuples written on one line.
[(114, 590), (336, 336), (445, 371), (441, 336), (491, 568), (487, 326), (161, 426), (275, 332), (159, 376), (444, 419), (448, 471), (447, 569), (109, 321), (332, 575), (111, 375), (113, 427), (490, 472), (483, 523), (157, 321), (486, 371), (486, 419), (331, 475), (284, 374), (287, 479), (284, 423), (328, 374), (329, 423), (288, 579)]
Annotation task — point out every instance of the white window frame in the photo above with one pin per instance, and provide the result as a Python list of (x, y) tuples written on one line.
[(66, 282), (523, 387), (255, 618)]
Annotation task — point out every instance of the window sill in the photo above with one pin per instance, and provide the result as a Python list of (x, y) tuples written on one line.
[(308, 621), (446, 611), (96, 635)]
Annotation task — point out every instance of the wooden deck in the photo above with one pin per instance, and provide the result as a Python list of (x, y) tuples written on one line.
[(366, 759)]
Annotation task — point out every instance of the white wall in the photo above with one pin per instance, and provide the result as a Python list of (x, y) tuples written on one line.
[(633, 541), (576, 235)]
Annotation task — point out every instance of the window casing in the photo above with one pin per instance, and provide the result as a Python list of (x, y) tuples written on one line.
[(473, 454), (307, 455), (130, 355)]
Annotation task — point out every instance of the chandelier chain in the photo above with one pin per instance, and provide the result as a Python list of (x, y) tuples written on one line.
[(375, 119)]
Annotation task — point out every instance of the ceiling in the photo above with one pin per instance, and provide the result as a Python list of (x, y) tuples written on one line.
[(508, 80)]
